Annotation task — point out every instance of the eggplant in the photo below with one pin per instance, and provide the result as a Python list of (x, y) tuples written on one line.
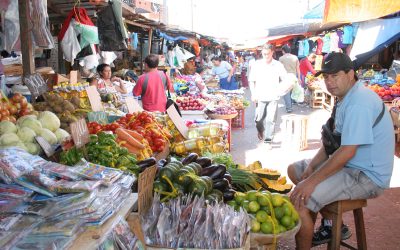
[(214, 171), (192, 157), (228, 177), (221, 184), (162, 163), (146, 163), (204, 162), (229, 195), (219, 172)]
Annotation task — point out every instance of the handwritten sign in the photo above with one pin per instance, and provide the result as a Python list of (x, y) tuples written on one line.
[(73, 76), (80, 133), (98, 116), (45, 145), (94, 98), (178, 121), (35, 84), (132, 105)]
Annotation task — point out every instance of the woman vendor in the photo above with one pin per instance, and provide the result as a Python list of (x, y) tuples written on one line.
[(106, 84), (225, 73)]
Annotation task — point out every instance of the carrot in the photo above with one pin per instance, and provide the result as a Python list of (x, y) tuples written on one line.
[(123, 135), (134, 134), (128, 146)]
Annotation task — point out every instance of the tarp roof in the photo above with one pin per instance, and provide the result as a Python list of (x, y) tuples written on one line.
[(349, 11), (307, 26), (317, 12), (372, 37)]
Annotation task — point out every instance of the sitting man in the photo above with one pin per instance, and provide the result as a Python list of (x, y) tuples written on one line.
[(360, 165)]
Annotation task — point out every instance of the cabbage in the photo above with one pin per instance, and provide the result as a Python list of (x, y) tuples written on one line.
[(7, 127), (61, 134), (26, 134), (49, 120), (49, 136), (22, 146), (9, 139), (22, 118), (33, 148), (33, 124)]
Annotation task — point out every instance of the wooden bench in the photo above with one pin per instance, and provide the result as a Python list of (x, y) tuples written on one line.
[(335, 211)]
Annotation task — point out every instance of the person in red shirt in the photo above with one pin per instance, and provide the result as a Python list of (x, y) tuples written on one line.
[(153, 95), (306, 66)]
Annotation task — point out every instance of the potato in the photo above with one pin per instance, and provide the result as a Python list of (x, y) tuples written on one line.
[(68, 106)]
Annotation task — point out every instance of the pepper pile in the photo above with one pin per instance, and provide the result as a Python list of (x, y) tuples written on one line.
[(104, 150)]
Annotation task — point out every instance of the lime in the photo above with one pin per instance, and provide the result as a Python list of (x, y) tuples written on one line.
[(281, 229), (291, 226), (277, 200), (279, 213), (295, 216), (266, 227), (254, 206), (245, 205), (286, 221), (262, 199), (239, 197), (262, 216), (251, 195), (267, 193), (266, 209), (255, 226), (287, 209), (231, 203)]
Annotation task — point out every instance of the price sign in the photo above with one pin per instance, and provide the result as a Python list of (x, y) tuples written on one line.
[(35, 84), (45, 145), (94, 98), (178, 121), (99, 117), (80, 133), (132, 105)]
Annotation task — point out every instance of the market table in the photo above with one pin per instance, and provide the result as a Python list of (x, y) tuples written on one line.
[(92, 238)]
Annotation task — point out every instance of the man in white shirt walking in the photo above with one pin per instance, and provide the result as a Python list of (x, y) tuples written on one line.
[(265, 78)]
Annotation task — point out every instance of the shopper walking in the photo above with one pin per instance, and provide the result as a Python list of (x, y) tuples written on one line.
[(265, 78), (152, 85), (291, 64)]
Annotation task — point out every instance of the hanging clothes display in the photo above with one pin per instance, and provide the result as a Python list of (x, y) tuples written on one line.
[(326, 47), (110, 34), (40, 25), (68, 36)]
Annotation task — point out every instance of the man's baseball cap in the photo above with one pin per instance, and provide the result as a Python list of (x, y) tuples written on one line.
[(335, 62)]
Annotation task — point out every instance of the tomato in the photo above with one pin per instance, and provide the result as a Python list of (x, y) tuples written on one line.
[(159, 142), (17, 97), (128, 116), (114, 126), (23, 102)]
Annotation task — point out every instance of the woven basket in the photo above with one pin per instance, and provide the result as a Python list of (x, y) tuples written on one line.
[(395, 114), (223, 117), (260, 239)]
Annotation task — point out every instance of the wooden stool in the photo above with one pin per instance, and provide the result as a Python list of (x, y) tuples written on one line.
[(336, 209)]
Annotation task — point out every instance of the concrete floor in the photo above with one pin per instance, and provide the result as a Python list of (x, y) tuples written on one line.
[(382, 216)]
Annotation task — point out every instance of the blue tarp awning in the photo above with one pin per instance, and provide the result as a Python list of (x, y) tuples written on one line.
[(317, 12), (372, 37)]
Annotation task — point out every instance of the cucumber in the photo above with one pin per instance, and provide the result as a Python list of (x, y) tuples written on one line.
[(166, 172), (209, 183), (198, 187), (160, 186)]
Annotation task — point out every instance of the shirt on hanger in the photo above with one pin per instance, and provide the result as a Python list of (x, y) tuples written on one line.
[(320, 43), (334, 42), (300, 53), (306, 47), (348, 34), (326, 48)]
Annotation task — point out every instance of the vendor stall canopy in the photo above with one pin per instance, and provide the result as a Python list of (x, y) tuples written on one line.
[(349, 11)]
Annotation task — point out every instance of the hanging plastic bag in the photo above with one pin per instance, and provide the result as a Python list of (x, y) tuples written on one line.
[(297, 93), (110, 35)]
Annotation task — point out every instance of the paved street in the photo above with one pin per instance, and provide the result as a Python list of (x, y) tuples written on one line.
[(381, 217)]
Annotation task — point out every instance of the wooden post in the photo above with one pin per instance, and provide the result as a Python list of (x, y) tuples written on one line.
[(141, 55), (150, 40), (28, 63)]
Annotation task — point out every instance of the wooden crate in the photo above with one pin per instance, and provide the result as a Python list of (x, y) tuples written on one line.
[(317, 99), (329, 101), (294, 131)]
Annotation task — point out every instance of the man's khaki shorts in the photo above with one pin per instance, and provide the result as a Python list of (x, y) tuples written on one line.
[(347, 184)]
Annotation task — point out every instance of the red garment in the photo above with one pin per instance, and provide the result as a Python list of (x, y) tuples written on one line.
[(320, 43), (155, 98), (306, 66)]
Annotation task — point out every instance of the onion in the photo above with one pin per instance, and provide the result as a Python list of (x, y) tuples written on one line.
[(17, 97), (23, 102)]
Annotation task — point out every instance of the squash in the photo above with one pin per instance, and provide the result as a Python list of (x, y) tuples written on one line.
[(275, 187), (267, 173), (282, 180)]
